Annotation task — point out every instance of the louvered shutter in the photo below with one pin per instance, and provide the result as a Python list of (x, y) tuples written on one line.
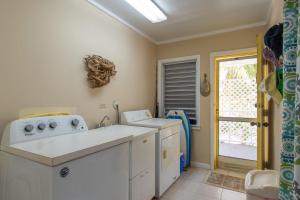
[(180, 88)]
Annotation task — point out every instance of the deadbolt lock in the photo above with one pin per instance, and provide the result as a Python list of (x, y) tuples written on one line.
[(266, 124)]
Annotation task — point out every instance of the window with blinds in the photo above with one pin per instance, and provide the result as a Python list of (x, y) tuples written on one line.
[(179, 88)]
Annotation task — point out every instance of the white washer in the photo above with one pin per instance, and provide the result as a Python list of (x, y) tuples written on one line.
[(57, 158), (167, 146)]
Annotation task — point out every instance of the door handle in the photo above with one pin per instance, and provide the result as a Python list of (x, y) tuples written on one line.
[(164, 154), (255, 124)]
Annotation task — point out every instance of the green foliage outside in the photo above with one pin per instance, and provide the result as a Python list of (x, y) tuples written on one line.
[(237, 72)]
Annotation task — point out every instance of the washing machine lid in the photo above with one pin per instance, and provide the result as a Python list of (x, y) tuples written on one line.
[(159, 123), (56, 150)]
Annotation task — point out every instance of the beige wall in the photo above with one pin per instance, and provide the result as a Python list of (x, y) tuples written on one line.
[(275, 133), (43, 43), (42, 48), (276, 12), (203, 47), (276, 121)]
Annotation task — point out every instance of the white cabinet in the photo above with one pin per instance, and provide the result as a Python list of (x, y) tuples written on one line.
[(143, 187), (168, 168), (143, 168), (143, 154), (167, 149)]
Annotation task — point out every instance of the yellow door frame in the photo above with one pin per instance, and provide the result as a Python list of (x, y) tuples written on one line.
[(262, 109), (261, 102)]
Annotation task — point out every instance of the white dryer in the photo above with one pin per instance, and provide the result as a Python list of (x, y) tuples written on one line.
[(167, 146), (57, 158)]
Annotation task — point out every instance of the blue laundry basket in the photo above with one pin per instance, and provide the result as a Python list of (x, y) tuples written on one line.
[(181, 157)]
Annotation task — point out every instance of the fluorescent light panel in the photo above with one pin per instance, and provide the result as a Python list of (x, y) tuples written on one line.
[(148, 9)]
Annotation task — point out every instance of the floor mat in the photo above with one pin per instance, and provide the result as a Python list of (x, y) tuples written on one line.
[(226, 181)]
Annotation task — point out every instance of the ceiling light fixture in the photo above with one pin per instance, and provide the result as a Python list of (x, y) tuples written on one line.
[(148, 9)]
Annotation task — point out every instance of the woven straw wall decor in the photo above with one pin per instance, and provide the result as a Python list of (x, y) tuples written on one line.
[(99, 70)]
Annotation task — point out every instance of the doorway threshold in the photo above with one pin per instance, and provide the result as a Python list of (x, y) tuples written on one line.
[(235, 164)]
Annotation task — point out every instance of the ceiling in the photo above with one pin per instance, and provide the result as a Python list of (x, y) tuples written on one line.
[(191, 18)]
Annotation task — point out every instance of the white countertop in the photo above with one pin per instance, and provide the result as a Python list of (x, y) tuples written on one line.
[(136, 131), (54, 151), (159, 123)]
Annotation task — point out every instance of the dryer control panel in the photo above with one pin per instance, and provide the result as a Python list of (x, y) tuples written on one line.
[(133, 116), (29, 129)]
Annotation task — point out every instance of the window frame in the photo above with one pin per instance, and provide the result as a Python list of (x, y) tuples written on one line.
[(160, 83)]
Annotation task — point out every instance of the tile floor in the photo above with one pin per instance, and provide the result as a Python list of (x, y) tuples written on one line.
[(191, 186)]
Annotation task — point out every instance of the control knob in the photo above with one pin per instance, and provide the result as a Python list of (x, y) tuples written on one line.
[(28, 128), (75, 122), (53, 125), (41, 126)]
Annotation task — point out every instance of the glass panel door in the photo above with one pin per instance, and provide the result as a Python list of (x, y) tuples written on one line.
[(237, 114)]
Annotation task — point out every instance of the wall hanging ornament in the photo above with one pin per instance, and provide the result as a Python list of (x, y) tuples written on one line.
[(205, 87), (99, 70)]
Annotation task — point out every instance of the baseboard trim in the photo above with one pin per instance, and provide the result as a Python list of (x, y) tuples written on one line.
[(200, 165)]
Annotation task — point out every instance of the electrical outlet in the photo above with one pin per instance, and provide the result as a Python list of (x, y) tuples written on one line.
[(102, 106)]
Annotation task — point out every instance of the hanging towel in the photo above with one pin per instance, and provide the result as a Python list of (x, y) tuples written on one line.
[(279, 79), (270, 56), (268, 85), (273, 39)]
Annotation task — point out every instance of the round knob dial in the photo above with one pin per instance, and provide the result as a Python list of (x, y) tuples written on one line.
[(28, 128), (53, 125), (75, 122), (41, 126), (64, 172)]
